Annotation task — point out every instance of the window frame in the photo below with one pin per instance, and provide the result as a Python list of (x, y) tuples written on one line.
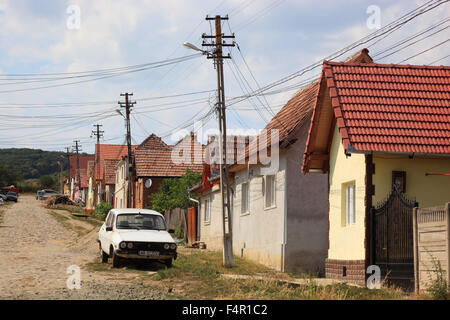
[(272, 191), (350, 217), (247, 211), (207, 200)]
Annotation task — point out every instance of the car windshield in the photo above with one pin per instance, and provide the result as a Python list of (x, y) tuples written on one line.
[(12, 194), (140, 221)]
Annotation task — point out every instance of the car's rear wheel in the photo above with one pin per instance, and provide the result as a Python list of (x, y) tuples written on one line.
[(103, 255)]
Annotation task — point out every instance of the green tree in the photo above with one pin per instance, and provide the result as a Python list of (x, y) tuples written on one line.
[(173, 193), (46, 181)]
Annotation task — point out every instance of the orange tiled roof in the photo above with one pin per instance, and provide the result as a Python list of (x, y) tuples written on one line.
[(110, 151), (158, 163), (298, 110), (83, 160), (153, 142), (110, 170), (387, 108)]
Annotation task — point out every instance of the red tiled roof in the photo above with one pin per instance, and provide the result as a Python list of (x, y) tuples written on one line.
[(158, 163), (153, 142), (110, 170), (83, 160), (387, 108), (110, 151), (298, 110)]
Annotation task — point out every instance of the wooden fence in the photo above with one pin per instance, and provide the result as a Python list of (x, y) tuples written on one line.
[(431, 245)]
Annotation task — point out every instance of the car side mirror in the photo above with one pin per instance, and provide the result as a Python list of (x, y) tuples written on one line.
[(109, 228), (171, 231)]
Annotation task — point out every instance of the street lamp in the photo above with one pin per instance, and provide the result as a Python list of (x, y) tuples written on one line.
[(119, 112), (193, 47)]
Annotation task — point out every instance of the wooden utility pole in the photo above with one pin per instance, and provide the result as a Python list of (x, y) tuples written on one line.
[(98, 133), (217, 55), (61, 185), (77, 150), (68, 166), (128, 105)]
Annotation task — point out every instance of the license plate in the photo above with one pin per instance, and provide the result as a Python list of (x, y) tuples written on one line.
[(149, 253)]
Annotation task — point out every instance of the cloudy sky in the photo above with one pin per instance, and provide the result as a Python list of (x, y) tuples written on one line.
[(47, 100)]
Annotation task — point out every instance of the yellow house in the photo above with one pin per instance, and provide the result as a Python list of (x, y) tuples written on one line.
[(382, 135)]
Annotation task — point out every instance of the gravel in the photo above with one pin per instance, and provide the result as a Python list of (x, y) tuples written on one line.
[(36, 250)]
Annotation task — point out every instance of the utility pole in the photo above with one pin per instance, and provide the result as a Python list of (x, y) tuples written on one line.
[(217, 54), (98, 133), (128, 105), (77, 150), (61, 185), (68, 166)]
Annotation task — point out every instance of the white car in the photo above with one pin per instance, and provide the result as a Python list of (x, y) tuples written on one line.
[(136, 234)]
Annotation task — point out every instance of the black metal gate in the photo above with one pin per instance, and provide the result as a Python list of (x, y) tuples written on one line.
[(392, 247)]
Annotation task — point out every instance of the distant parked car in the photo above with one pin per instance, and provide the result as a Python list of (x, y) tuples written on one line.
[(136, 234), (39, 193), (3, 197), (45, 193), (11, 196)]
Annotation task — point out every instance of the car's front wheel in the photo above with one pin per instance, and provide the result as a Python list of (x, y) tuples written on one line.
[(115, 259), (168, 262), (103, 255)]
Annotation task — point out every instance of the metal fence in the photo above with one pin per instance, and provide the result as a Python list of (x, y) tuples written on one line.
[(431, 245)]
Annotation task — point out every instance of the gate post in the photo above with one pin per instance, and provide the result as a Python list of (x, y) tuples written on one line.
[(416, 251), (372, 236)]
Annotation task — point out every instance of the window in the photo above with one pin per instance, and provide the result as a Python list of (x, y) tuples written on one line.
[(399, 179), (270, 191), (207, 212), (244, 198), (350, 203)]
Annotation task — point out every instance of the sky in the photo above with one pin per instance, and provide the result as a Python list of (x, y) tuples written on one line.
[(51, 38)]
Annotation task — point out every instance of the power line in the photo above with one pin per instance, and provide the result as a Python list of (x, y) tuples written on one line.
[(424, 51)]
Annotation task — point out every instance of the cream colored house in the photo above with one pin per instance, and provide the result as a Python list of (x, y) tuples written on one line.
[(381, 134), (121, 186)]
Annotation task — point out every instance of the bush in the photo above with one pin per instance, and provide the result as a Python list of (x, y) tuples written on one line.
[(101, 210)]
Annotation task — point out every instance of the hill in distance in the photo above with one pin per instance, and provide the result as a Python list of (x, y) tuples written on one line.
[(32, 163)]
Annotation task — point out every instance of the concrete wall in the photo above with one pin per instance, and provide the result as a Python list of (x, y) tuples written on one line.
[(258, 234), (307, 213), (142, 193), (211, 231), (121, 187), (429, 190), (346, 241)]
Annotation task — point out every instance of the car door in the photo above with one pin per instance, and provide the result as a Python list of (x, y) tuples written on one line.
[(109, 234), (103, 235)]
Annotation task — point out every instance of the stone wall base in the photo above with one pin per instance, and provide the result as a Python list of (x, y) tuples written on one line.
[(347, 270)]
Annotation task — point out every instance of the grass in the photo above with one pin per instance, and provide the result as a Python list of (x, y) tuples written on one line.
[(66, 222), (197, 274)]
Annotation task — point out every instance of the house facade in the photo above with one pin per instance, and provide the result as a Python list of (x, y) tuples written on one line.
[(79, 189), (381, 134), (279, 217), (121, 184), (155, 161)]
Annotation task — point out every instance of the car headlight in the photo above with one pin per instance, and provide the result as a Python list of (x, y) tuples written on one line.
[(123, 245), (166, 246), (130, 245), (173, 246)]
